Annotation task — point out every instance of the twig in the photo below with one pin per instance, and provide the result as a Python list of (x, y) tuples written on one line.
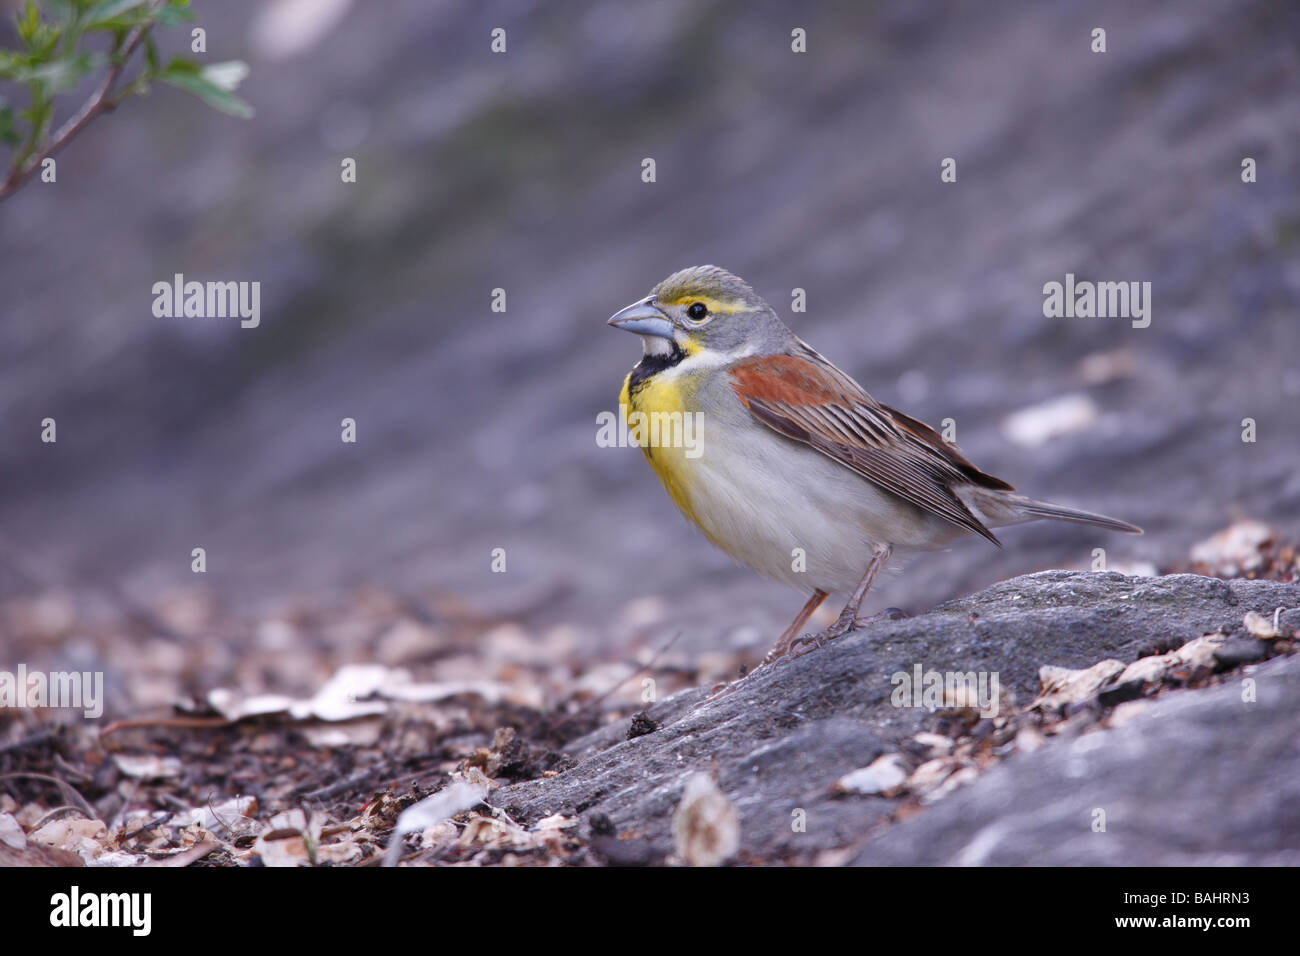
[(56, 812), (100, 102), (163, 722), (153, 824), (76, 773), (68, 790), (228, 827), (186, 857)]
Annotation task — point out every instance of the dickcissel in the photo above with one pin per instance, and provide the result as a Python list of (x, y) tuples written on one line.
[(798, 473)]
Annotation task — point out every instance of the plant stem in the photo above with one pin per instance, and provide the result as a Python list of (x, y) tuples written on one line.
[(101, 101)]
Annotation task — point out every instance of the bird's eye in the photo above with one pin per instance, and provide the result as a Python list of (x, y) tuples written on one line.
[(698, 311)]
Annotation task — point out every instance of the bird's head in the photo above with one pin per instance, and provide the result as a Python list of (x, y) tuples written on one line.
[(703, 309)]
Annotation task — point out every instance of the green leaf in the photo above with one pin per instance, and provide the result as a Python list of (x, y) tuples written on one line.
[(121, 15), (38, 36), (65, 73), (214, 84), (176, 12), (51, 58), (28, 22), (13, 65), (8, 134), (108, 10)]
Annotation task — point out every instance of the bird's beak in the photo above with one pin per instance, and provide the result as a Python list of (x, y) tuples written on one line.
[(643, 319)]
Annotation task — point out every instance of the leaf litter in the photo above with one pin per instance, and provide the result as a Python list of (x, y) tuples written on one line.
[(372, 730)]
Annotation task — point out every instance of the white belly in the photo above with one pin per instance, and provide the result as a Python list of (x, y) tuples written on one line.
[(763, 498)]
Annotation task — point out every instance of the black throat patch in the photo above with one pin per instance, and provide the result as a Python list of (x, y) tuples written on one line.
[(652, 365)]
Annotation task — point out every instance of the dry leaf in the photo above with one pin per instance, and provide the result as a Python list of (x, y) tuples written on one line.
[(706, 827), (882, 774)]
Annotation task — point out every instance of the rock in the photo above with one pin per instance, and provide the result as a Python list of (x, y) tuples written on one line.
[(630, 852), (1198, 778), (1238, 651), (783, 737), (1121, 692), (1289, 622), (619, 852), (640, 726)]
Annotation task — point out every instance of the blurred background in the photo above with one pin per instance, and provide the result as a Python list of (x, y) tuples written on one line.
[(522, 171)]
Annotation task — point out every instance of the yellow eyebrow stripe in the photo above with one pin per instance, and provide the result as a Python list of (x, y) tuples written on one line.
[(715, 306)]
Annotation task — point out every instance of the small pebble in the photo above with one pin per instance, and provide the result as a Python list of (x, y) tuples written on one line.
[(1238, 651)]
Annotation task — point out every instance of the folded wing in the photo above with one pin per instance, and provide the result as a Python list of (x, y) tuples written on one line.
[(806, 398)]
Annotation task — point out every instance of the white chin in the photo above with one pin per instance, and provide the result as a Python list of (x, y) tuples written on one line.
[(655, 345)]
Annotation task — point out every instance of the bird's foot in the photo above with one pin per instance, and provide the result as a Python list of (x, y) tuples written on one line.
[(843, 625), (799, 646), (808, 642)]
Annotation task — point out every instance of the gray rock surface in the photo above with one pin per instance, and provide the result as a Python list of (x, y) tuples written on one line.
[(782, 737), (1201, 779)]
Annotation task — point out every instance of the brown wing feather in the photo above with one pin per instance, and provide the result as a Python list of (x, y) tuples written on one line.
[(933, 440), (808, 399)]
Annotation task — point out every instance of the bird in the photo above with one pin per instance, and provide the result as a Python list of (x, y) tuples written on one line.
[(794, 469)]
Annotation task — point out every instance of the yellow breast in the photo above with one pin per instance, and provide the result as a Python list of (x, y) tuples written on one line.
[(670, 462)]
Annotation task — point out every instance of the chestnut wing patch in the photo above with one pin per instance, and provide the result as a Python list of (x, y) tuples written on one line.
[(811, 401)]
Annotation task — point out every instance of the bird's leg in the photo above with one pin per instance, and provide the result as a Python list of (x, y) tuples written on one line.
[(848, 617), (844, 623), (782, 647)]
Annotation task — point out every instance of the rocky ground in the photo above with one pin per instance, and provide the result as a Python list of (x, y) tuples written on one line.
[(1165, 766), (1133, 719)]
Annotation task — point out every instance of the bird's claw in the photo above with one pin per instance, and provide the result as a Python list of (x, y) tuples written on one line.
[(805, 643), (810, 642)]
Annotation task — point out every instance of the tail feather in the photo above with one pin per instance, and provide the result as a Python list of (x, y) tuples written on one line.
[(1045, 509), (997, 509)]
